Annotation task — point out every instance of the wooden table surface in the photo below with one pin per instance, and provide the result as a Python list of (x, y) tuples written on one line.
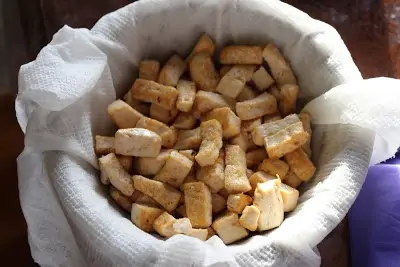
[(370, 29)]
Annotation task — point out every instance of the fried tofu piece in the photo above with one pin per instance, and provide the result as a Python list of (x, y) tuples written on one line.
[(224, 70), (290, 197), (287, 104), (211, 135), (146, 200), (172, 71), (185, 121), (165, 195), (235, 170), (187, 94), (137, 142), (228, 119), (261, 105), (211, 232), (152, 92), (259, 177), (271, 125), (273, 90), (144, 216), (228, 228), (241, 54), (175, 170), (201, 234), (126, 162), (243, 140), (198, 204), (246, 94), (255, 157), (188, 139), (189, 179), (224, 193), (262, 79), (213, 176), (249, 217), (218, 203), (203, 72), (249, 125), (163, 115), (142, 107), (292, 179), (280, 69), (207, 101), (204, 45), (274, 167), (271, 118), (104, 145), (300, 164), (181, 210), (188, 153), (237, 202), (118, 176), (149, 69), (123, 201), (166, 225), (167, 134), (123, 115), (268, 199), (104, 179), (306, 120), (151, 166), (234, 80)]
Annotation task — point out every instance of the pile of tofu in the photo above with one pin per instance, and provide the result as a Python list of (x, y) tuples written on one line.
[(204, 147)]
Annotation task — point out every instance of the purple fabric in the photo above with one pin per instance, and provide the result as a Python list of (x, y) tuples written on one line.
[(374, 219)]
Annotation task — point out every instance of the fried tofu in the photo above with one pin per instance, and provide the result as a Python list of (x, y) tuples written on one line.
[(151, 166), (187, 94), (188, 139), (166, 225), (249, 125), (237, 202), (243, 140), (262, 79), (167, 134), (228, 119), (241, 54), (259, 177), (204, 45), (207, 101), (201, 234), (246, 94), (271, 118), (123, 115), (287, 103), (300, 164), (152, 92), (249, 217), (198, 204), (123, 201), (306, 120), (224, 70), (203, 72), (218, 203), (137, 142), (274, 167), (142, 107), (104, 145), (273, 90), (261, 105), (149, 69), (144, 216), (255, 157), (213, 175), (290, 197), (233, 82), (163, 115), (235, 170), (229, 229), (211, 134), (172, 71), (292, 179), (185, 121)]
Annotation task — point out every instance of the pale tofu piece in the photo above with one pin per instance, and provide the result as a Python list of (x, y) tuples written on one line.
[(188, 153), (292, 179), (152, 92), (163, 115), (274, 167), (181, 210), (144, 216), (244, 141), (165, 195), (149, 69), (259, 177), (280, 69), (137, 142), (188, 139), (241, 54), (187, 94), (151, 166), (249, 125), (198, 204), (207, 101), (211, 232), (137, 105), (203, 72), (218, 203), (118, 176), (175, 170), (185, 121), (306, 120), (236, 180), (300, 164), (211, 135), (261, 105), (234, 80), (273, 125), (271, 118), (235, 156), (146, 200), (204, 45), (228, 119), (290, 197), (166, 225), (229, 229), (237, 202), (123, 201), (249, 217), (273, 90), (104, 145), (172, 71), (287, 103), (199, 234), (123, 115), (213, 176), (262, 79), (224, 70), (167, 134), (268, 199), (246, 94), (255, 157)]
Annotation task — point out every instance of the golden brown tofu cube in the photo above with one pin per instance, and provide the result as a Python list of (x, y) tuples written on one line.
[(292, 179), (249, 218), (163, 115), (189, 179), (167, 134), (104, 145), (137, 142), (218, 203), (273, 90), (228, 228), (198, 204), (151, 166), (211, 135), (280, 69), (188, 139), (262, 79), (144, 216), (234, 80), (228, 119), (185, 121), (119, 198), (259, 177), (152, 92), (287, 103), (188, 153), (204, 45), (137, 105), (290, 197), (126, 162), (241, 54), (237, 202), (166, 225), (274, 167), (207, 101), (243, 140), (146, 200), (149, 69), (255, 157), (165, 195), (234, 155), (199, 234), (123, 115), (236, 179), (261, 105), (306, 120), (249, 125), (224, 70), (187, 94), (271, 118), (213, 175), (246, 94), (300, 164), (203, 72), (172, 71)]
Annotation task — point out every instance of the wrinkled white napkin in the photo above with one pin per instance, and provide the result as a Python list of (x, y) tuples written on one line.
[(62, 102)]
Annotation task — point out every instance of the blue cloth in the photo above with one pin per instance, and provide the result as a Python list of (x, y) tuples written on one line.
[(374, 219)]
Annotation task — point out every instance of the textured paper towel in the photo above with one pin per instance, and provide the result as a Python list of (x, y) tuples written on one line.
[(61, 105)]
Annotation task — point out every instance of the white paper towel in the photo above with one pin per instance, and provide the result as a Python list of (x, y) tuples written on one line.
[(62, 102)]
